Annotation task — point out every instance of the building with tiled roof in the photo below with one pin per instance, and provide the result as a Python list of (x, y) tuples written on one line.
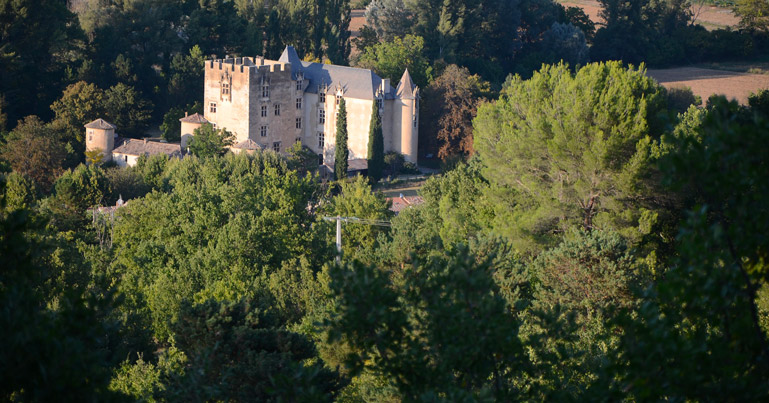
[(129, 152), (276, 103), (247, 146)]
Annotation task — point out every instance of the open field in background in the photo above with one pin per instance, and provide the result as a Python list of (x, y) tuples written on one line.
[(705, 82), (709, 16)]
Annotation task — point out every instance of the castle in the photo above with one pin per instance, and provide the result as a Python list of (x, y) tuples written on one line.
[(272, 104), (275, 103)]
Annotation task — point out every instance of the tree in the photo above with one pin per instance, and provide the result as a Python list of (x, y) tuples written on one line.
[(80, 103), (356, 199), (754, 14), (75, 191), (125, 108), (53, 344), (565, 149), (186, 75), (388, 18), (702, 316), (445, 331), (33, 149), (237, 351), (39, 40), (94, 157), (209, 142), (451, 102), (391, 59), (375, 145), (341, 152)]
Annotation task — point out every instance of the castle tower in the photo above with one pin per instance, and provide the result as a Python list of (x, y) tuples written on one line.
[(189, 124), (406, 118), (100, 135)]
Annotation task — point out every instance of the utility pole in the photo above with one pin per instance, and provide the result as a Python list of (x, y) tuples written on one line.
[(356, 220)]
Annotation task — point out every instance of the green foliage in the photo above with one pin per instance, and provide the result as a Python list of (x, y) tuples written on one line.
[(186, 75), (80, 103), (391, 59), (53, 345), (754, 14), (125, 108), (237, 351), (357, 200), (33, 149), (565, 149), (218, 230), (443, 332), (301, 158), (19, 192), (375, 157), (208, 142), (75, 191), (341, 152), (40, 39), (388, 18), (701, 317)]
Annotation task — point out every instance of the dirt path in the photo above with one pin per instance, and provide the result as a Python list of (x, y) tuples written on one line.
[(705, 82)]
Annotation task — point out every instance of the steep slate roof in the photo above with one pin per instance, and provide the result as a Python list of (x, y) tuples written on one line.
[(357, 83), (142, 147), (194, 118), (248, 144), (100, 124), (406, 87)]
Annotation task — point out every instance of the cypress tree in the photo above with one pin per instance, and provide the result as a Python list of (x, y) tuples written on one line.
[(341, 154), (375, 145)]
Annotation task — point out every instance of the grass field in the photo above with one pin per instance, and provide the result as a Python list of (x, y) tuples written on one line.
[(705, 82), (710, 17)]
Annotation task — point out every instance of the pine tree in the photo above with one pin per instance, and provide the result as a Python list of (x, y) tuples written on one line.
[(375, 145), (342, 153)]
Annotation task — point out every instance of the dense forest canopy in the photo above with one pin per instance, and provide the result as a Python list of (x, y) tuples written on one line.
[(591, 235)]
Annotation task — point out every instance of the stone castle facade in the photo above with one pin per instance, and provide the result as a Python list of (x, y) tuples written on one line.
[(276, 103), (272, 104)]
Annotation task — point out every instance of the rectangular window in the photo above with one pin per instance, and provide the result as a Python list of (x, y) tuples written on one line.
[(265, 91), (320, 159), (321, 116), (298, 140), (338, 97), (298, 123), (379, 104), (277, 109), (263, 131), (212, 107), (264, 111), (225, 88), (90, 137), (415, 121), (321, 140), (299, 103), (276, 146), (321, 96)]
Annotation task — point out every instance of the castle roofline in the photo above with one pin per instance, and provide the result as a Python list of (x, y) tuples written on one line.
[(100, 124), (194, 118), (406, 87)]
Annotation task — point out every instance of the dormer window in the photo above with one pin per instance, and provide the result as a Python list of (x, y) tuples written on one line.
[(265, 91), (225, 88), (380, 104), (338, 99), (321, 96)]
